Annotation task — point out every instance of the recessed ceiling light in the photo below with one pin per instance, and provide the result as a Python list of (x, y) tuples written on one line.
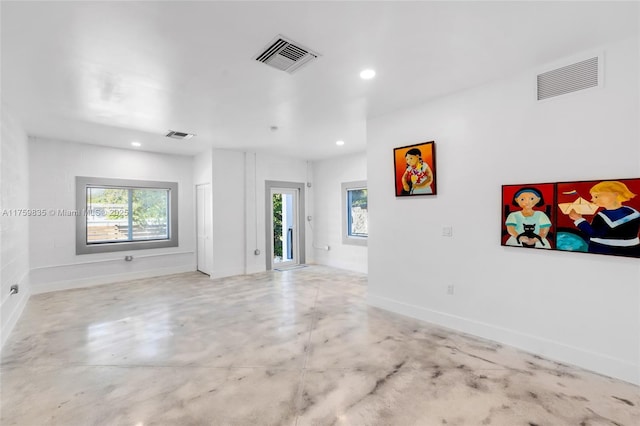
[(367, 74), (339, 143), (136, 144)]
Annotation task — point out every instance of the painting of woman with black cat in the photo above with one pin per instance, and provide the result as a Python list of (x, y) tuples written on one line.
[(527, 226)]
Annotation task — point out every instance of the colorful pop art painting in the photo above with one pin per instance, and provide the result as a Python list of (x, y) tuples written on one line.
[(415, 169), (527, 216), (597, 216)]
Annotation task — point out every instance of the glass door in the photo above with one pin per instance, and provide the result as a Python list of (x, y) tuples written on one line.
[(284, 241)]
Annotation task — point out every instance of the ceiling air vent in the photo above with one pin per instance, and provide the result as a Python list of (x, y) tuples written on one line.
[(286, 55), (571, 78), (179, 135)]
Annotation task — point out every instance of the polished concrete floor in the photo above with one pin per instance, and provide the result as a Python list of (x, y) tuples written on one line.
[(299, 347)]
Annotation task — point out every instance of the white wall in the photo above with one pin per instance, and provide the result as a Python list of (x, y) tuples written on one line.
[(238, 199), (14, 229), (228, 201), (53, 168), (203, 167), (577, 308), (328, 177)]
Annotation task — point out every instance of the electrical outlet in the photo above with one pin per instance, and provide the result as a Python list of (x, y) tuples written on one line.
[(450, 289)]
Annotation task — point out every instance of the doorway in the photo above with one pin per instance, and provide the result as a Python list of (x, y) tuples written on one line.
[(285, 226), (203, 228)]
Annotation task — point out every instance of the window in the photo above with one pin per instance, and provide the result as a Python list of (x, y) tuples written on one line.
[(355, 216), (117, 214)]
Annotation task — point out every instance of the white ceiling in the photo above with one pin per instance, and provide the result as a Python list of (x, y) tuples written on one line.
[(112, 72)]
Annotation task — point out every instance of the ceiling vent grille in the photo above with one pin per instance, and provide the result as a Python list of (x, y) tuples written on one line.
[(571, 78), (285, 55), (179, 135)]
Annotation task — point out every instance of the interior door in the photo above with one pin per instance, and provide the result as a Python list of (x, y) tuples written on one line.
[(204, 221), (285, 241)]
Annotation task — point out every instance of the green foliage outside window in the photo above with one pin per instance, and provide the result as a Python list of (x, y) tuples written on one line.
[(277, 225), (129, 214), (358, 198), (149, 206)]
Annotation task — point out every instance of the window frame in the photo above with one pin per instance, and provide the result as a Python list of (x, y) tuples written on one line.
[(357, 240), (84, 182)]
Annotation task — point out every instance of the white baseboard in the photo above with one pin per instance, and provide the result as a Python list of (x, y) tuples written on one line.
[(224, 273), (255, 270), (596, 362), (18, 307), (108, 279)]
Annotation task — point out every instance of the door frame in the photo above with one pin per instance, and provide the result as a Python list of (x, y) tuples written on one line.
[(273, 184)]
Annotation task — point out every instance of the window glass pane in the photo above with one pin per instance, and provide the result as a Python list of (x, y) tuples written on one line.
[(107, 215), (122, 214), (109, 219), (150, 214), (277, 227), (358, 213)]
